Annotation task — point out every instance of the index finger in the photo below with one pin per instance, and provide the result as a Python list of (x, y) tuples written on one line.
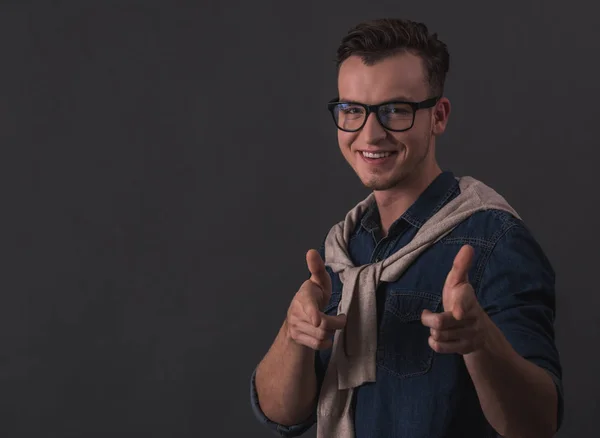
[(441, 321), (336, 322)]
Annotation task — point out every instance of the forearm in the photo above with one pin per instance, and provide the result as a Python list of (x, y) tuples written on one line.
[(518, 398), (286, 382)]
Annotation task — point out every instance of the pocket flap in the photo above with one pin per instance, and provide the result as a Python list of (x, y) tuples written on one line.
[(408, 305)]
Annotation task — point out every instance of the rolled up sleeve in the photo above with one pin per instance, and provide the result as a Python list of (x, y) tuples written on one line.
[(517, 290), (280, 430)]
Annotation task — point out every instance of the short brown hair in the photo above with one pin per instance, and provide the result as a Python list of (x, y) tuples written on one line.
[(375, 40)]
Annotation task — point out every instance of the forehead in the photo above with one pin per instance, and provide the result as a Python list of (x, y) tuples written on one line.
[(401, 75)]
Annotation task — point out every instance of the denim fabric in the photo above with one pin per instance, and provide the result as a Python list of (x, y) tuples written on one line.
[(420, 393)]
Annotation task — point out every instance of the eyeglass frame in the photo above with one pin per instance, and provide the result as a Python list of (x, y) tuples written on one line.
[(424, 104)]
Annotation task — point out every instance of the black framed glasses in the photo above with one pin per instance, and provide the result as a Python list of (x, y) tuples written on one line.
[(394, 115)]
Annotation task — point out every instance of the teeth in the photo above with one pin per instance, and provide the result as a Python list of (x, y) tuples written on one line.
[(376, 154)]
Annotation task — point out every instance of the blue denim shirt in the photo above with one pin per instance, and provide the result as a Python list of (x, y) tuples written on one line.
[(420, 393)]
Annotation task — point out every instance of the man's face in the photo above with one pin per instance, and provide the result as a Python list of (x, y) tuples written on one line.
[(400, 77)]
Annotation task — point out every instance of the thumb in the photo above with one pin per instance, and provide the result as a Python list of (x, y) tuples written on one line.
[(459, 273), (462, 302), (319, 274)]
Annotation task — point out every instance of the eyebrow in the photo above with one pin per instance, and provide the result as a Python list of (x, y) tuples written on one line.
[(392, 99)]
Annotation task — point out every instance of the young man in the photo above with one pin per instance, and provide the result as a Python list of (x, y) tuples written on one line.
[(429, 311)]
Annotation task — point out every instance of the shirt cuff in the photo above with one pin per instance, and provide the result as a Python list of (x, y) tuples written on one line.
[(560, 398), (284, 431)]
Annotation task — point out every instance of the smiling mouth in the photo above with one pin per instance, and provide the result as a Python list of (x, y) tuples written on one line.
[(375, 155)]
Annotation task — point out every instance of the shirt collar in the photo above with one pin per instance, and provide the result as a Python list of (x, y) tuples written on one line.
[(443, 188)]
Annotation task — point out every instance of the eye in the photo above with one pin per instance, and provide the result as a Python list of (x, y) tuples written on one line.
[(396, 110), (351, 109)]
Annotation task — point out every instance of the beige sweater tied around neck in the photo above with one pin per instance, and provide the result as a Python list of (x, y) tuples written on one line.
[(352, 360)]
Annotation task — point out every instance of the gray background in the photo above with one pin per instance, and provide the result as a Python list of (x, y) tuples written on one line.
[(165, 169)]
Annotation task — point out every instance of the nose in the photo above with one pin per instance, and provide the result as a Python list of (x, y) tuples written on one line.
[(373, 131)]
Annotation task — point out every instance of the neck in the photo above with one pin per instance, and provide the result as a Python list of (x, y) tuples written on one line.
[(394, 202)]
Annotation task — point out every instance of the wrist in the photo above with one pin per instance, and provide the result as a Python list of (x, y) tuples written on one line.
[(493, 343), (286, 334), (289, 343), (489, 343)]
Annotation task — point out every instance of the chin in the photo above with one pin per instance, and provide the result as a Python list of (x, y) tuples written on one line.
[(379, 184), (387, 182)]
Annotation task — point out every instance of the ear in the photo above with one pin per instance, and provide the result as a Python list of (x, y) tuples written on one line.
[(441, 112)]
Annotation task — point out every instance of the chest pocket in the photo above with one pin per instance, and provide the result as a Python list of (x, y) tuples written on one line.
[(403, 347)]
